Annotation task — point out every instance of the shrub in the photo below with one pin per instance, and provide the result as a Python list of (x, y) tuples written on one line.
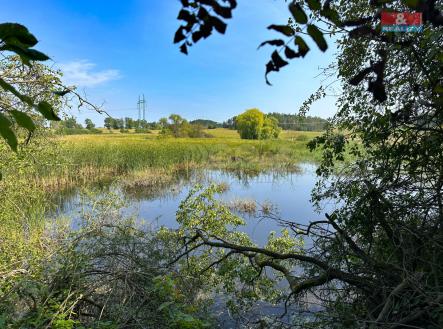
[(253, 124), (177, 126), (109, 273), (250, 123), (77, 131)]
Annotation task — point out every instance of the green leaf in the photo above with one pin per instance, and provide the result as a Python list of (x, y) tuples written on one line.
[(439, 89), (179, 35), (275, 42), (290, 54), (7, 133), (318, 37), (61, 93), (303, 48), (224, 12), (331, 14), (25, 54), (47, 111), (298, 13), (164, 305), (14, 42), (284, 29), (218, 24), (8, 87), (23, 120), (184, 49), (314, 4), (18, 31), (278, 61), (35, 55)]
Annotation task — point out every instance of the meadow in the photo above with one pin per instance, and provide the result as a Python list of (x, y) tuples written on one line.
[(110, 155)]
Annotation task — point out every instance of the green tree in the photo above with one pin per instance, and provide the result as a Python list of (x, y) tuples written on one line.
[(375, 261), (253, 124), (118, 124), (21, 106), (36, 81), (250, 123), (270, 128), (17, 39), (143, 124), (71, 123), (163, 122), (129, 123), (89, 124), (108, 123), (299, 122), (230, 123), (176, 125)]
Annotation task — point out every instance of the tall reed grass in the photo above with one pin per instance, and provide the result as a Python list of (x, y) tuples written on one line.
[(98, 157)]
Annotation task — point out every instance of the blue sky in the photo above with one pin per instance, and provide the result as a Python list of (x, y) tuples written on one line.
[(116, 50)]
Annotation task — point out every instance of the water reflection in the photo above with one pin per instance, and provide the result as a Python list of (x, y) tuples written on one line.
[(287, 192)]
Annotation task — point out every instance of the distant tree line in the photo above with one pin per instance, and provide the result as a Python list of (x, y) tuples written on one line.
[(129, 123), (288, 122), (174, 126), (70, 126), (177, 126), (208, 124), (297, 122)]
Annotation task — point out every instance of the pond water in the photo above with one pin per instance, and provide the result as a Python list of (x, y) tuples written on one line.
[(288, 193)]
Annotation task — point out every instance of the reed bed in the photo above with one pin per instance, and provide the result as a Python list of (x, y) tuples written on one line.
[(91, 158)]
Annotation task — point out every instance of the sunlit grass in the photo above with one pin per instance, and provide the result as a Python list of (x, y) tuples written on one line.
[(95, 157)]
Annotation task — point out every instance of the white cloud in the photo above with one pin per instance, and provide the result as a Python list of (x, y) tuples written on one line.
[(80, 73)]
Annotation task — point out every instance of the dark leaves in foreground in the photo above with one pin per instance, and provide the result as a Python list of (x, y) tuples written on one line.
[(300, 16), (16, 38), (375, 86), (200, 19)]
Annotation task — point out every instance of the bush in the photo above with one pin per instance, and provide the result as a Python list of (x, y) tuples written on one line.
[(176, 126), (110, 273), (195, 131), (77, 131), (253, 124)]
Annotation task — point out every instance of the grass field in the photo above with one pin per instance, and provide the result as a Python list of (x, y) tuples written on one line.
[(222, 133), (92, 157)]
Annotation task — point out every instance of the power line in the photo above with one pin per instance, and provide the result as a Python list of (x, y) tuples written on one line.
[(123, 109), (141, 106)]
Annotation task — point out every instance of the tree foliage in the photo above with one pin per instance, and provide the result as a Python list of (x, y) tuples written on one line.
[(108, 273), (177, 126), (299, 122), (29, 90), (89, 124), (253, 124), (250, 123), (208, 124), (22, 87), (201, 18), (375, 261)]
